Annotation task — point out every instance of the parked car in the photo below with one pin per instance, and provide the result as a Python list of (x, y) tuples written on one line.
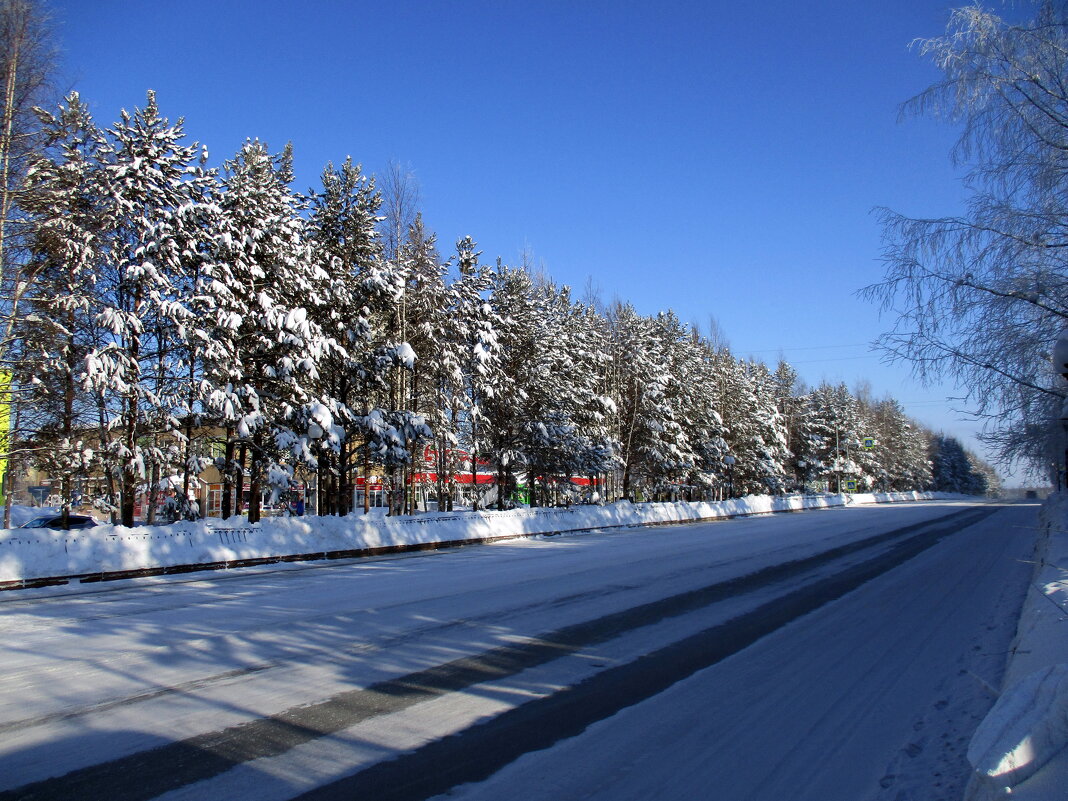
[(56, 521)]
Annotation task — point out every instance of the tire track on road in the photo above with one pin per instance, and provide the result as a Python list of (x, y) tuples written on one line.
[(144, 775), (478, 752)]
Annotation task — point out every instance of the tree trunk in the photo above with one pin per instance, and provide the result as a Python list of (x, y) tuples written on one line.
[(228, 476), (255, 481), (187, 466), (344, 480), (129, 478), (109, 474), (153, 489), (439, 467), (366, 486), (239, 501)]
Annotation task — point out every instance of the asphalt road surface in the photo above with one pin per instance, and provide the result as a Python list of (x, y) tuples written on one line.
[(835, 654)]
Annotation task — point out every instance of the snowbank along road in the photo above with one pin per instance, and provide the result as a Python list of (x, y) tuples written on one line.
[(829, 655)]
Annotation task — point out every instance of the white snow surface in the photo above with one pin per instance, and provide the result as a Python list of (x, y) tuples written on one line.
[(870, 698), (27, 554), (1021, 747), (1025, 729), (823, 709)]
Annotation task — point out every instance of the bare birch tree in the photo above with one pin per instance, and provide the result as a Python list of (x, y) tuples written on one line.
[(980, 298), (27, 66)]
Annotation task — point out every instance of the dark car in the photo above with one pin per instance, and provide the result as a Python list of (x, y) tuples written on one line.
[(56, 521)]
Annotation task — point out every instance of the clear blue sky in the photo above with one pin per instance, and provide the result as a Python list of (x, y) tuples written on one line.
[(718, 158)]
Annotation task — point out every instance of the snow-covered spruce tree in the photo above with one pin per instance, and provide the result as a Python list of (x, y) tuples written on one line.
[(389, 434), (986, 481), (265, 397), (439, 380), (869, 458), (719, 389), (814, 441), (205, 340), (63, 202), (915, 471)]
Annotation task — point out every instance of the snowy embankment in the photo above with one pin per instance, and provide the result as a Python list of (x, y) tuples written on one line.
[(1021, 747), (32, 556)]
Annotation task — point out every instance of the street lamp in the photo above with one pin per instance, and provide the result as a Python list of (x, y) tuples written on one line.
[(729, 461)]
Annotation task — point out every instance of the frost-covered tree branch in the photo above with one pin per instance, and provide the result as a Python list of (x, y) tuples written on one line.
[(980, 298)]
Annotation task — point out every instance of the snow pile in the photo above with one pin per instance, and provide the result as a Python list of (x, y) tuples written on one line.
[(31, 554), (1021, 747), (1026, 728)]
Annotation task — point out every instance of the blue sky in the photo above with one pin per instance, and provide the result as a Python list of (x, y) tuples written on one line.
[(718, 158)]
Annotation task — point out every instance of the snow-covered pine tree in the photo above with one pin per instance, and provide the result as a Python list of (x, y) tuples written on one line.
[(956, 469), (835, 426), (900, 448), (757, 432), (654, 451), (62, 199), (548, 414), (426, 312), (705, 429), (789, 392), (505, 411), (668, 451), (590, 407), (474, 335), (631, 371), (345, 243), (143, 310), (266, 397)]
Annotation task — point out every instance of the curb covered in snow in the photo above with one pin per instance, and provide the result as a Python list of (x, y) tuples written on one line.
[(1021, 746), (41, 557)]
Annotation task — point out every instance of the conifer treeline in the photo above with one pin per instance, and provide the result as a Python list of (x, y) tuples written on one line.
[(162, 299)]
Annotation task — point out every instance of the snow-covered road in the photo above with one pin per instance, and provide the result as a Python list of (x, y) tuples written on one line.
[(697, 661)]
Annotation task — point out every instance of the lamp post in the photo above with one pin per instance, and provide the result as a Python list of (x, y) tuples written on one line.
[(729, 461)]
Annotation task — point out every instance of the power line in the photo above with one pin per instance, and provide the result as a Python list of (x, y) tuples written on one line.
[(835, 359), (805, 347)]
